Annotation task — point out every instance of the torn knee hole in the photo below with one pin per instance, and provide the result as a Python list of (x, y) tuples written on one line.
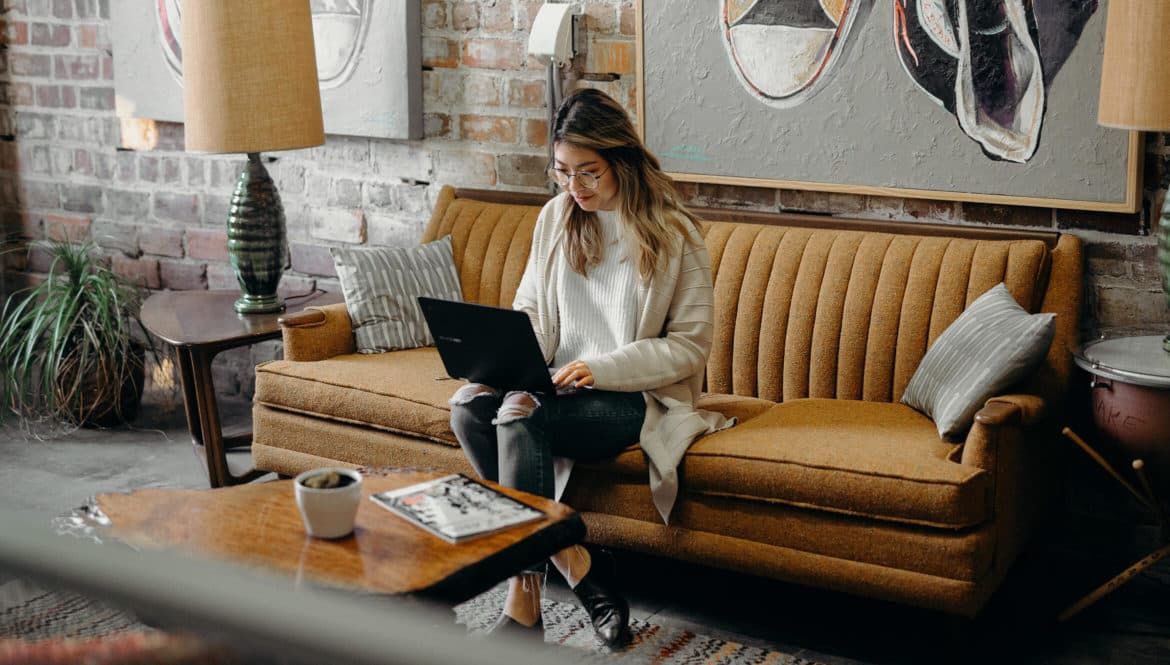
[(469, 392), (517, 405)]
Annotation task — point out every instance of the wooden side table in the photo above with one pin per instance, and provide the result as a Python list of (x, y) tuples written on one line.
[(200, 324), (1131, 404)]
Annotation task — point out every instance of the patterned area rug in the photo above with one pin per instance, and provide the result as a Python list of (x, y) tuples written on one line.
[(567, 624), (40, 627), (34, 614)]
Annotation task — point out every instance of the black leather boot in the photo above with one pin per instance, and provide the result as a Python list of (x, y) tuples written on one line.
[(608, 610)]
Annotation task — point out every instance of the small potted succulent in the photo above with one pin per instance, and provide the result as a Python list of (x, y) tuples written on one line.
[(72, 348), (328, 499)]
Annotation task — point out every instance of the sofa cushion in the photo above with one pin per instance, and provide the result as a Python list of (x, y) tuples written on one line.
[(631, 462), (381, 287), (993, 344), (739, 407), (835, 538), (395, 391), (398, 392), (874, 459)]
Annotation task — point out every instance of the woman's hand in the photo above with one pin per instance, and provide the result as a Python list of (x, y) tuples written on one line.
[(576, 374)]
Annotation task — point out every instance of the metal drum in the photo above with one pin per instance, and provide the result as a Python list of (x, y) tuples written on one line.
[(1131, 395)]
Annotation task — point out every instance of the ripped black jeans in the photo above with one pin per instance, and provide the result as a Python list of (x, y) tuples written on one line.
[(512, 439)]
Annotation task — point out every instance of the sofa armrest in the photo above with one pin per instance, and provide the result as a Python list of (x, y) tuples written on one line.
[(1002, 418), (317, 333), (1009, 442), (1025, 410)]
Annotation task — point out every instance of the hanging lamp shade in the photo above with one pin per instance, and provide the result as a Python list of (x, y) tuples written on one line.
[(1135, 74), (250, 76)]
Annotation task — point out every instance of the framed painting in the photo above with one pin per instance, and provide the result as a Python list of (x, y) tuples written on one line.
[(992, 101), (369, 63)]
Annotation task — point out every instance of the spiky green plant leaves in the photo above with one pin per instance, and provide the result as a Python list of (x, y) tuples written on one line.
[(72, 344)]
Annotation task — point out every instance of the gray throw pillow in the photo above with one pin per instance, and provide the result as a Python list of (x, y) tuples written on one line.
[(381, 286), (993, 344)]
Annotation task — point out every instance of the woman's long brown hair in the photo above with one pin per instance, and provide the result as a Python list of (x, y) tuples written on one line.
[(649, 207)]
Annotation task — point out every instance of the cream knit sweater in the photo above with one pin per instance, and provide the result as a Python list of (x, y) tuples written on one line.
[(665, 361), (599, 311)]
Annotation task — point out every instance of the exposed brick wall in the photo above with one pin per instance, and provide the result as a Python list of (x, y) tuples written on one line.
[(67, 165)]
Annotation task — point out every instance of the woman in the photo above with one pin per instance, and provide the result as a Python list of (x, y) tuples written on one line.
[(618, 288)]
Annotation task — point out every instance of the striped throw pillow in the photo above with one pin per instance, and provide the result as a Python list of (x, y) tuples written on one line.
[(993, 344), (381, 286)]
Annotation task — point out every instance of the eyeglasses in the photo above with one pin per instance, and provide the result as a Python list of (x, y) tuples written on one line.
[(584, 178)]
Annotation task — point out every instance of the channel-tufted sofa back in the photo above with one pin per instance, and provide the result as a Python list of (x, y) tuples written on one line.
[(813, 312), (491, 243)]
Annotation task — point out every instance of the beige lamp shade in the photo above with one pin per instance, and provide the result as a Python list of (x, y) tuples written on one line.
[(250, 76), (1135, 76)]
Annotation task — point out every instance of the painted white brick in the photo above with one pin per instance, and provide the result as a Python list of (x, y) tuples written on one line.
[(348, 226), (432, 194), (399, 197), (465, 169), (405, 160), (346, 152), (221, 276), (441, 88), (413, 199), (394, 230), (289, 177)]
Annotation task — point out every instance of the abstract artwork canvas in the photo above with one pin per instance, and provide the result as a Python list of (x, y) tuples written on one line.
[(369, 63), (974, 100)]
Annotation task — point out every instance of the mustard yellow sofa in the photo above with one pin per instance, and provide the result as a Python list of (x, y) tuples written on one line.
[(820, 323)]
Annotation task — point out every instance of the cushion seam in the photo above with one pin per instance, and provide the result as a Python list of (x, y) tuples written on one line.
[(976, 579), (754, 458), (842, 511), (338, 385), (351, 421)]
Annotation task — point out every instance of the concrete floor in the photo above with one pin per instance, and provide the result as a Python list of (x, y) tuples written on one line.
[(1132, 626), (59, 472)]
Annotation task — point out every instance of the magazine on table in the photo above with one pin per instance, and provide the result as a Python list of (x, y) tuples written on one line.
[(456, 508)]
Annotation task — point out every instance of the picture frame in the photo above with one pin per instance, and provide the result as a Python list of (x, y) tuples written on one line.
[(870, 111)]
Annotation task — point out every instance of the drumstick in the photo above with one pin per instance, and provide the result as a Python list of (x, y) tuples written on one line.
[(1139, 468), (1112, 585), (1105, 465)]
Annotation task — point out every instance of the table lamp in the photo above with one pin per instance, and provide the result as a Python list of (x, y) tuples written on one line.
[(250, 86), (1135, 87)]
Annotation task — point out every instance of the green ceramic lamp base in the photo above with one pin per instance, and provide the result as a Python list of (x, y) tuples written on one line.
[(248, 304), (256, 239)]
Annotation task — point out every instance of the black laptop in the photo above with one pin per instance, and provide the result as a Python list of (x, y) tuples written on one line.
[(490, 345)]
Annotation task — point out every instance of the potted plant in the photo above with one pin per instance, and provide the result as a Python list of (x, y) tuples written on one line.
[(70, 348)]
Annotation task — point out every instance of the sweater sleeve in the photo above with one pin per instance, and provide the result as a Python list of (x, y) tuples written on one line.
[(528, 292), (682, 349)]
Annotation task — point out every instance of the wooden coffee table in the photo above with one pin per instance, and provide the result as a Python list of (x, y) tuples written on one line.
[(259, 525)]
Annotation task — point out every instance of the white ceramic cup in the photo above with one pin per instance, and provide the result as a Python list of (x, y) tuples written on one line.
[(328, 513)]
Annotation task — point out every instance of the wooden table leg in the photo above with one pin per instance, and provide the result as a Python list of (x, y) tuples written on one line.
[(1115, 583), (190, 399), (214, 445)]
